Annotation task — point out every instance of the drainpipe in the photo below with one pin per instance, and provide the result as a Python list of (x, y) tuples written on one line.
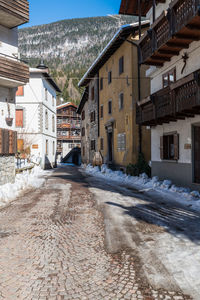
[(154, 10), (139, 79)]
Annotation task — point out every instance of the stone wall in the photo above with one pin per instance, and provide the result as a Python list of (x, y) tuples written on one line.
[(93, 106), (7, 169)]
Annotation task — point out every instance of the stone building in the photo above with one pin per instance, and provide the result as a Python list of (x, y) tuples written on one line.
[(68, 129), (171, 49), (36, 117), (89, 110), (13, 73), (117, 136)]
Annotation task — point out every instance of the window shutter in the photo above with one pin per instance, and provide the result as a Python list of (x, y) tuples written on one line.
[(20, 91), (19, 117), (20, 145), (5, 141), (161, 148), (176, 146)]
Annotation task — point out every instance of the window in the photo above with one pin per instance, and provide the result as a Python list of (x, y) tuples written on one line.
[(46, 120), (71, 146), (169, 146), (20, 91), (83, 115), (83, 131), (121, 142), (101, 144), (19, 118), (53, 148), (53, 123), (101, 111), (92, 116), (109, 77), (93, 145), (47, 146), (101, 83), (53, 101), (121, 65), (46, 94), (92, 93), (110, 106), (169, 77), (121, 101)]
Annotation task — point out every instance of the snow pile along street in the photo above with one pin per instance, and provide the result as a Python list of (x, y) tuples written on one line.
[(23, 181), (145, 184)]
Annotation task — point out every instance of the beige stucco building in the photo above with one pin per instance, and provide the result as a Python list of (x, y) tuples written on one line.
[(119, 138)]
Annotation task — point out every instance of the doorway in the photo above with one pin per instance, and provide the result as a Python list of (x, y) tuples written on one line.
[(196, 144), (110, 146)]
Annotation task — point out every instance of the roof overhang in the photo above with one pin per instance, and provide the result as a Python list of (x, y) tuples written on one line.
[(130, 7), (83, 100), (117, 40)]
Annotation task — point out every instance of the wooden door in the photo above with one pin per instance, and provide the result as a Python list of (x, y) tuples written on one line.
[(197, 154)]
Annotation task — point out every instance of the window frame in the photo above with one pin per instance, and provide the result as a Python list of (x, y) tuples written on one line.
[(121, 65), (101, 143), (101, 111), (22, 110), (121, 106), (167, 74), (92, 93), (93, 145), (110, 111), (167, 152), (110, 77), (101, 83)]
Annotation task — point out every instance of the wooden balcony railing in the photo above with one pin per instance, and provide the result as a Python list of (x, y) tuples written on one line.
[(64, 137), (173, 31), (180, 100), (13, 72), (14, 12)]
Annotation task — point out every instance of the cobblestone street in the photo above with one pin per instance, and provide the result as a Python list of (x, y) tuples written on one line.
[(52, 246)]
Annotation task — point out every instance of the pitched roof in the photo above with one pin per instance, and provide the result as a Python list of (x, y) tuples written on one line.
[(47, 76), (130, 7), (117, 40), (83, 100), (66, 105)]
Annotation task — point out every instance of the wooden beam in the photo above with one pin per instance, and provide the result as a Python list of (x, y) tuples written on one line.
[(170, 52), (177, 45), (161, 58), (193, 26), (187, 37)]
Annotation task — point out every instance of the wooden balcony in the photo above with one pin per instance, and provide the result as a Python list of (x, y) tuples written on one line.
[(179, 101), (14, 12), (173, 31), (68, 138), (68, 126), (13, 73)]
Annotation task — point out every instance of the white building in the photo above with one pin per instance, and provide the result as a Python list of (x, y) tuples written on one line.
[(13, 73), (36, 117), (172, 49)]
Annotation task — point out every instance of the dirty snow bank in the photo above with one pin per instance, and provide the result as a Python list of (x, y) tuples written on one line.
[(145, 184), (10, 191)]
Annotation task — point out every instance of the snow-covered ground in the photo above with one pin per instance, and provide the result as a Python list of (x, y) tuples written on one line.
[(23, 181), (145, 184), (161, 225)]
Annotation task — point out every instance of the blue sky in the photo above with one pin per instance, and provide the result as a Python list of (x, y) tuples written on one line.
[(47, 11)]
